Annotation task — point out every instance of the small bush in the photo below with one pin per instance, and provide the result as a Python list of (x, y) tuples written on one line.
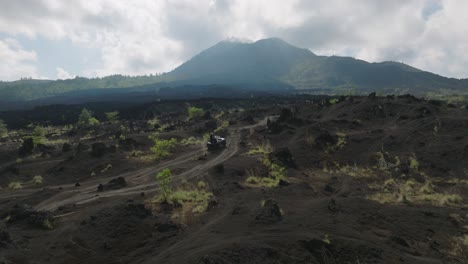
[(38, 135), (264, 149), (47, 224), (112, 116), (195, 112), (37, 180), (161, 147), (16, 185), (198, 199), (164, 179), (201, 184), (414, 164), (86, 118)]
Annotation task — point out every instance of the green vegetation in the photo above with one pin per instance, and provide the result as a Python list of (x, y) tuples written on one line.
[(414, 164), (161, 147), (38, 135), (33, 89), (341, 141), (15, 185), (191, 141), (333, 101), (47, 224), (195, 113), (276, 173), (3, 129), (37, 180), (201, 184), (164, 179), (326, 239), (263, 149), (153, 122), (112, 117), (86, 118), (398, 191), (222, 126), (198, 199)]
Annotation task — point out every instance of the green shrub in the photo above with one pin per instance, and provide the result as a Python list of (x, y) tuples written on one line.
[(37, 180), (38, 135), (112, 116), (201, 184), (47, 224), (195, 112), (161, 147), (164, 179), (414, 164), (86, 118), (264, 149), (199, 199), (16, 185)]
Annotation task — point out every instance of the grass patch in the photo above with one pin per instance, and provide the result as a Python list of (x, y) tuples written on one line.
[(191, 141), (396, 191), (263, 149), (276, 173)]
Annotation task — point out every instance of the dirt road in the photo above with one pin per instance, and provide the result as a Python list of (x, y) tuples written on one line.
[(142, 180)]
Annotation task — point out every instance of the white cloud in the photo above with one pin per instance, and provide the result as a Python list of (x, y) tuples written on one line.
[(16, 62), (146, 36), (63, 74)]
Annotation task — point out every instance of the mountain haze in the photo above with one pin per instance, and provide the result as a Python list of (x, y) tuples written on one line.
[(266, 64)]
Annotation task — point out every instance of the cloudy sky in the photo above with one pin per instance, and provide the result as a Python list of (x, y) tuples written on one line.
[(63, 38)]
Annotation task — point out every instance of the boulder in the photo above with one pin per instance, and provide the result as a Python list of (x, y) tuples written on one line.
[(127, 144), (27, 147), (270, 212), (26, 214), (282, 156), (66, 147), (98, 149), (5, 239), (81, 147), (116, 183), (45, 149)]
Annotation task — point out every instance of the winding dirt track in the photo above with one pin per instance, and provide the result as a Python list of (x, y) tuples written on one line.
[(141, 180)]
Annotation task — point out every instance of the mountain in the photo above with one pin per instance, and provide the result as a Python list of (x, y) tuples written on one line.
[(267, 64), (275, 61), (235, 62)]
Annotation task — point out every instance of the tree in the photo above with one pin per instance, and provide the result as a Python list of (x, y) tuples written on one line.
[(38, 135), (195, 112), (112, 116), (3, 128), (164, 178), (86, 118)]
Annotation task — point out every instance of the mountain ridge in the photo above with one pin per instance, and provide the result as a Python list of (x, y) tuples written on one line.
[(263, 64)]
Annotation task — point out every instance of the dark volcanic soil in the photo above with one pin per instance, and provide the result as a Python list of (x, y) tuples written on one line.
[(367, 180)]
